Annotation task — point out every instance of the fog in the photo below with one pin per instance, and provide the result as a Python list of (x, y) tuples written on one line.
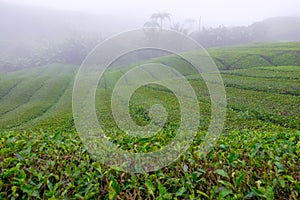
[(213, 12), (35, 33)]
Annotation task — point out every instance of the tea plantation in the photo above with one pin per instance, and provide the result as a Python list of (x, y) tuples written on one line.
[(256, 156)]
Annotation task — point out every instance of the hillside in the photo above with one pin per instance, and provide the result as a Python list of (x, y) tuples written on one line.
[(36, 95), (254, 55), (256, 156)]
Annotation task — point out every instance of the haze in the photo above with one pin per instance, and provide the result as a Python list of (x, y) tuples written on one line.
[(35, 33), (213, 12)]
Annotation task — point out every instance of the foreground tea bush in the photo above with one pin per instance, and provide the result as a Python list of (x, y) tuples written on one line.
[(244, 164)]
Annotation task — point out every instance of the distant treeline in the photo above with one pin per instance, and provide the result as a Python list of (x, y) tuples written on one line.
[(74, 47), (71, 50), (224, 36), (282, 29)]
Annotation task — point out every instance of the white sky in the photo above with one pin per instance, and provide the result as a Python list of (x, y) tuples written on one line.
[(213, 12)]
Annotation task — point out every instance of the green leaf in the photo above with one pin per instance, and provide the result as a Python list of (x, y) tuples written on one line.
[(56, 135), (19, 156), (289, 178), (269, 192), (79, 196), (221, 173), (14, 189), (180, 192), (151, 188), (227, 184), (22, 174), (297, 187), (282, 183), (114, 188), (232, 157), (280, 166), (257, 192), (239, 180), (162, 190), (224, 193), (249, 195), (223, 146), (167, 196), (202, 193), (29, 189), (255, 149), (50, 185)]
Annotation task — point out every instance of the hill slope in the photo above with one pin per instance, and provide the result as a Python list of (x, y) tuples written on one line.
[(40, 95), (42, 155)]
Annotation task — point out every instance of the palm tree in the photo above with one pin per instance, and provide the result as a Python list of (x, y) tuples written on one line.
[(161, 16), (151, 25), (150, 28)]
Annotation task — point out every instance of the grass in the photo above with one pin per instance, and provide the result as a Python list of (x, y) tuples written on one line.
[(256, 157)]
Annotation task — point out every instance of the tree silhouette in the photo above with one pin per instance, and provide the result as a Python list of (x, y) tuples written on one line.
[(161, 16), (151, 25), (180, 28)]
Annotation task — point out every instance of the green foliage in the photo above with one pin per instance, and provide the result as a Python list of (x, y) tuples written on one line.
[(256, 157), (257, 55), (56, 165)]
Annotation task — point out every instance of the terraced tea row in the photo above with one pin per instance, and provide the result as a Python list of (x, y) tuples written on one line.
[(34, 95)]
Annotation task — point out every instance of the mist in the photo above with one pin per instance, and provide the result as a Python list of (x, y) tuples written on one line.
[(214, 12), (34, 33)]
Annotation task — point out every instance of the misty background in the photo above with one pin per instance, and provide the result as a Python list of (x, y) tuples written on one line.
[(35, 33)]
